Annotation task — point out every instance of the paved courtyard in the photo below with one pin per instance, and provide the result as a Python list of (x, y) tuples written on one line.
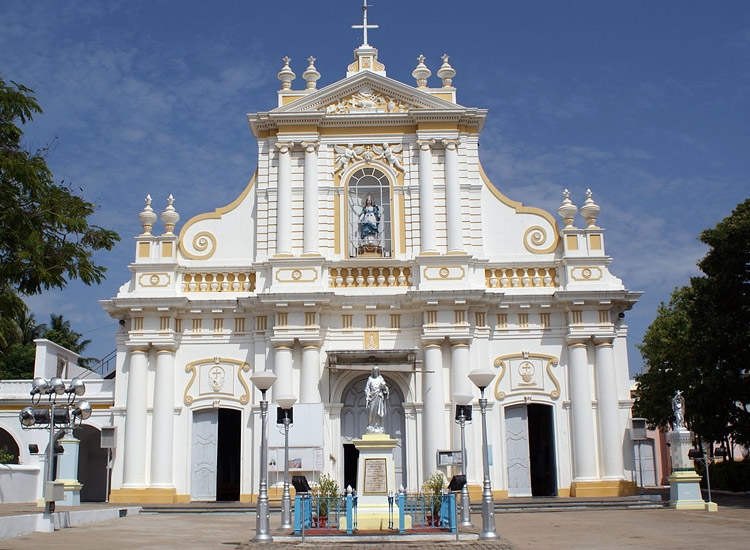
[(595, 529)]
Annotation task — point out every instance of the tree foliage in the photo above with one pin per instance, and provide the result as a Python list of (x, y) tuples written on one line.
[(700, 342), (45, 238)]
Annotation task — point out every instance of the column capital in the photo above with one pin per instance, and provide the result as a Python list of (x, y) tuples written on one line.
[(165, 349), (284, 146), (425, 144), (432, 342), (577, 343), (138, 347), (306, 344), (460, 341), (310, 146), (604, 341), (282, 342), (451, 144)]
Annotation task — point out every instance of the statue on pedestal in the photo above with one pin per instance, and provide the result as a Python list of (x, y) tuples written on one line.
[(678, 408), (376, 394)]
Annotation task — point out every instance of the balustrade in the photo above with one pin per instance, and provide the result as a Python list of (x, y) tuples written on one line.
[(526, 277), (218, 282), (352, 277)]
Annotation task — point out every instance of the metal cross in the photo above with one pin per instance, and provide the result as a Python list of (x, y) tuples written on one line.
[(364, 26)]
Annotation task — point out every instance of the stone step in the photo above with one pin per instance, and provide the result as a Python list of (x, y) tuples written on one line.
[(536, 504)]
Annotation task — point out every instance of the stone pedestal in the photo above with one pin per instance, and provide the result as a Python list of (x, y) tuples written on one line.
[(376, 477), (684, 483), (67, 470)]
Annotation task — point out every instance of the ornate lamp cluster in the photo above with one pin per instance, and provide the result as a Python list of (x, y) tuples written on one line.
[(446, 73), (169, 217), (50, 415), (567, 211)]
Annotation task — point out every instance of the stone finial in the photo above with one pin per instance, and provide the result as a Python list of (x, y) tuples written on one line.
[(446, 72), (170, 217), (286, 75), (311, 74), (590, 210), (567, 210), (147, 217), (421, 73)]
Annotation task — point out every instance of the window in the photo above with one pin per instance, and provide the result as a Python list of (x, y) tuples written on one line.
[(369, 207)]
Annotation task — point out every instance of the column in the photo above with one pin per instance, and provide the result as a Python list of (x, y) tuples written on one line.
[(584, 450), (610, 433), (428, 241), (284, 201), (283, 369), (311, 210), (453, 197), (162, 429), (134, 452), (433, 411), (309, 384), (460, 383)]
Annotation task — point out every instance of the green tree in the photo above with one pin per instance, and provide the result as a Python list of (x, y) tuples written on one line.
[(700, 342), (61, 333), (45, 237)]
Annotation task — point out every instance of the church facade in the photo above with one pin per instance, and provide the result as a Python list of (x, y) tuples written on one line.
[(370, 235)]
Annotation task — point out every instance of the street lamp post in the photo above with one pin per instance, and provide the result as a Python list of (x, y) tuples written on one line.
[(263, 380), (481, 379), (285, 418), (65, 415), (699, 456), (463, 415)]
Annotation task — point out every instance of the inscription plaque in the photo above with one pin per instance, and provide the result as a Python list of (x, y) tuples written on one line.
[(376, 478)]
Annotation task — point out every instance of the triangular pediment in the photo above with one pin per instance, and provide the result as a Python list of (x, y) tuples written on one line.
[(366, 92)]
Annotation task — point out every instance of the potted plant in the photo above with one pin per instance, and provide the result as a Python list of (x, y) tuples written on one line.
[(433, 487), (326, 490)]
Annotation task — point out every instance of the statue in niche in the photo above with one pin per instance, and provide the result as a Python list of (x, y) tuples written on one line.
[(376, 395), (678, 408), (369, 230)]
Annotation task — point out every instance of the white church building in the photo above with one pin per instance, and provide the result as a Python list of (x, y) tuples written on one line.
[(370, 235)]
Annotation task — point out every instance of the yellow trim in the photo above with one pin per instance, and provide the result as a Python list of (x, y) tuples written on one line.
[(384, 169), (603, 488), (521, 209), (151, 278), (215, 215), (595, 242), (444, 273), (571, 242), (166, 249), (446, 126), (552, 361), (447, 96), (297, 129), (144, 249), (347, 131), (287, 99), (587, 273), (402, 220), (242, 366), (147, 496), (337, 224)]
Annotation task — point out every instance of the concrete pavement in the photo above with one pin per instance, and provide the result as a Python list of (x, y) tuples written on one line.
[(657, 529)]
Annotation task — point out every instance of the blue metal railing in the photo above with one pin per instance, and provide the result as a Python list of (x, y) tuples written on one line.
[(427, 511), (317, 513)]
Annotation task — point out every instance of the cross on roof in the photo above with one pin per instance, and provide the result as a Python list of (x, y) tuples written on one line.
[(364, 26)]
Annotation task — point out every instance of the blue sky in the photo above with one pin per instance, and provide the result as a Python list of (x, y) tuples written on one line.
[(646, 103)]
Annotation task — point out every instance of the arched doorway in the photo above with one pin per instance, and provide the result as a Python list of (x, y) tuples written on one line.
[(354, 424), (9, 446), (92, 464), (530, 450)]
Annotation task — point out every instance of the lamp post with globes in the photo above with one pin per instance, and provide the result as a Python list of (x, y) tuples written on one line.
[(285, 418), (482, 378), (263, 380), (66, 415), (463, 415)]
